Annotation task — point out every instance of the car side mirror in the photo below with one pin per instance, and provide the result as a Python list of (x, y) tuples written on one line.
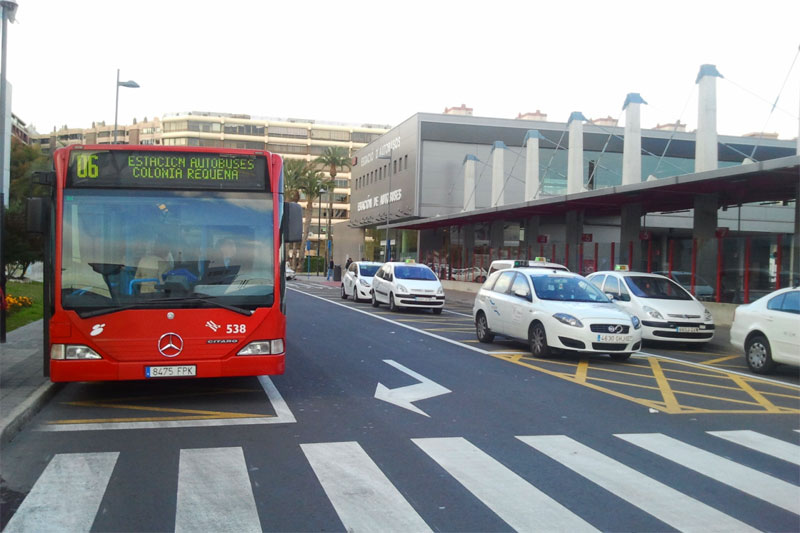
[(292, 222), (525, 295), (625, 297), (611, 296)]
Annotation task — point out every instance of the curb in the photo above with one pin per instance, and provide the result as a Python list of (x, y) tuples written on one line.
[(22, 413)]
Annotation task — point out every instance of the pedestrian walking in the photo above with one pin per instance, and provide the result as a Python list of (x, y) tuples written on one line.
[(347, 263), (330, 270)]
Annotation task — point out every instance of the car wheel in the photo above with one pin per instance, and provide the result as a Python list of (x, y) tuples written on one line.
[(619, 356), (392, 306), (537, 338), (482, 329), (759, 355), (437, 310), (374, 300), (344, 293)]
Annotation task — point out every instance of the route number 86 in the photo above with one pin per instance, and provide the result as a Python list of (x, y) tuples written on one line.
[(87, 166)]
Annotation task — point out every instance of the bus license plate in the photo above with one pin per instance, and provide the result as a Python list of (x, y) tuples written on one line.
[(174, 371), (687, 330), (614, 338)]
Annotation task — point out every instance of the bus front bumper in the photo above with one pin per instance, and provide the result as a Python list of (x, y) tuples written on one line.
[(103, 370)]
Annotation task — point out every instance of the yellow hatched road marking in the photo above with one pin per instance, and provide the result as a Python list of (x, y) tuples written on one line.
[(666, 391), (720, 359), (582, 370), (757, 396)]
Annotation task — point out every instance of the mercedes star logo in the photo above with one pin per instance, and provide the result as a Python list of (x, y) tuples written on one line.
[(170, 344)]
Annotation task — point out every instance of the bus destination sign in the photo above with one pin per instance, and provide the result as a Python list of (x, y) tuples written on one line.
[(167, 170)]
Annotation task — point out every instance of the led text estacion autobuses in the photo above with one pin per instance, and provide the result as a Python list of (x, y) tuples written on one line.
[(193, 168)]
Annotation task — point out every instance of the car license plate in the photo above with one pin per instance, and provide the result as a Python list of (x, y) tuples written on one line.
[(174, 371), (614, 338), (687, 330), (424, 299)]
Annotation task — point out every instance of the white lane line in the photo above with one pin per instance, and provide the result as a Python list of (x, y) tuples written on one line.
[(762, 443), (283, 416), (214, 492), (665, 503), (361, 494), (521, 505), (748, 480), (67, 495)]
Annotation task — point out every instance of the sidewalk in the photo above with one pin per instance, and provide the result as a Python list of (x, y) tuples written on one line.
[(23, 388)]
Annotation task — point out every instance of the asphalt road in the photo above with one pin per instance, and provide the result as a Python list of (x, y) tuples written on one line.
[(479, 438)]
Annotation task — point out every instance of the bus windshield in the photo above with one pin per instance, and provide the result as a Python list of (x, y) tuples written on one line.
[(166, 249)]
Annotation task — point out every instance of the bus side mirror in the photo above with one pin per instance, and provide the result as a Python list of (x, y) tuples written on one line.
[(292, 222), (35, 211)]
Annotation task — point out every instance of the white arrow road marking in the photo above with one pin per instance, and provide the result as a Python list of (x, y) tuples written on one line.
[(403, 396)]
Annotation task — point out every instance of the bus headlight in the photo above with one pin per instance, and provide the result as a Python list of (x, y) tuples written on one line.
[(72, 352), (271, 347)]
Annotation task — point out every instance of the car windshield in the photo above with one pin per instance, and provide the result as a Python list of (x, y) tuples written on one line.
[(659, 288), (368, 270), (166, 249), (414, 272), (566, 289)]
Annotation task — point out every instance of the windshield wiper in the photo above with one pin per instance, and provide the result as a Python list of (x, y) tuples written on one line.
[(144, 304)]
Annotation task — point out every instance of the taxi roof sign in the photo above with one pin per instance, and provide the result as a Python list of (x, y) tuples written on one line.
[(409, 261), (621, 268), (540, 259)]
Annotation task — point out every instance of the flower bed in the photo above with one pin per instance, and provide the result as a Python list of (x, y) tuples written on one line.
[(15, 303)]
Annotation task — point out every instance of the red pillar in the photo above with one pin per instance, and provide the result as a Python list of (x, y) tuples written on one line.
[(747, 270), (778, 258), (694, 267)]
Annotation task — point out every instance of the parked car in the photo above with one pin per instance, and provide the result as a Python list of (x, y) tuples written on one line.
[(702, 289), (768, 330), (667, 311), (290, 274), (407, 284), (553, 310), (357, 280), (539, 262), (476, 274)]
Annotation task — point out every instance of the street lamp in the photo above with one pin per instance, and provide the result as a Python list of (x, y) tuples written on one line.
[(319, 223), (388, 256), (131, 85)]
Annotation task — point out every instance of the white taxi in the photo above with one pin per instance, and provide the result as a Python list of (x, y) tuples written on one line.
[(407, 284), (357, 280), (667, 311), (554, 310), (539, 262), (768, 330)]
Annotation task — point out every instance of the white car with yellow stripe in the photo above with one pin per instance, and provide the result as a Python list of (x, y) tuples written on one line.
[(553, 309)]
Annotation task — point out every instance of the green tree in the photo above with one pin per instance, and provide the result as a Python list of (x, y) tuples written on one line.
[(20, 249), (302, 179), (333, 159)]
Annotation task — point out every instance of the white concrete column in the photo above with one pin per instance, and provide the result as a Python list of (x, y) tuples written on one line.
[(575, 182), (632, 147), (470, 168), (533, 187), (498, 174), (705, 153)]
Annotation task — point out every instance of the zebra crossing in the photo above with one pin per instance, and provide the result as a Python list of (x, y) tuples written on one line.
[(215, 491)]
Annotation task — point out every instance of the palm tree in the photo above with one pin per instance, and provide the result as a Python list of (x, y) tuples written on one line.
[(293, 172), (311, 184), (333, 159)]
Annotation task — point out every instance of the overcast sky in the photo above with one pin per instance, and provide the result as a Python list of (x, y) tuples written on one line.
[(381, 62)]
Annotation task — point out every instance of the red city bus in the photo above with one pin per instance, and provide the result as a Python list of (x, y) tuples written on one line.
[(164, 262)]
